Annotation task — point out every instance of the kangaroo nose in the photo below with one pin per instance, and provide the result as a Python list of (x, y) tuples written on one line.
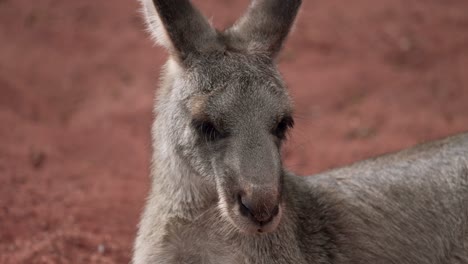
[(260, 209)]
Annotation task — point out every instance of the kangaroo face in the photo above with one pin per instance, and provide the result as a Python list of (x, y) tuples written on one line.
[(238, 124), (229, 108)]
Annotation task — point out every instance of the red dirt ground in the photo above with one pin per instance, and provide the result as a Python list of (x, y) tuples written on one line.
[(77, 80)]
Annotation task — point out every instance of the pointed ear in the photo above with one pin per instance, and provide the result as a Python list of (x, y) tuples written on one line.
[(179, 27), (264, 27)]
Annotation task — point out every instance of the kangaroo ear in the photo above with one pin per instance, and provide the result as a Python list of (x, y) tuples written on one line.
[(264, 27), (179, 27)]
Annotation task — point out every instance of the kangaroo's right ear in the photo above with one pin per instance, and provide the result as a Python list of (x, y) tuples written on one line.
[(264, 27), (179, 27)]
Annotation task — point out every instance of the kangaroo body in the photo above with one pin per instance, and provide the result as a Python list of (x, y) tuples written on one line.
[(219, 192), (407, 207)]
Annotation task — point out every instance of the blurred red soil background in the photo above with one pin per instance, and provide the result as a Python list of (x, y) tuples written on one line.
[(77, 81)]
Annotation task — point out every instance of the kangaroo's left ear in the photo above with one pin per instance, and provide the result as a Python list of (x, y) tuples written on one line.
[(264, 27), (179, 27)]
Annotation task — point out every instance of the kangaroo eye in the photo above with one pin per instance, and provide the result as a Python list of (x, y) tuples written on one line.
[(207, 130), (283, 126)]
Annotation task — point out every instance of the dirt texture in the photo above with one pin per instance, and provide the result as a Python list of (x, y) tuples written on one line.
[(77, 81)]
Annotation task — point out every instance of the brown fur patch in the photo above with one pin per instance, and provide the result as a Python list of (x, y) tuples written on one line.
[(197, 107)]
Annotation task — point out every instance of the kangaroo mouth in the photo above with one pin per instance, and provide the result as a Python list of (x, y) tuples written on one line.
[(251, 220)]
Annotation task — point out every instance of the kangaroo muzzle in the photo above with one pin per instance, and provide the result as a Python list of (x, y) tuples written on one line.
[(260, 204)]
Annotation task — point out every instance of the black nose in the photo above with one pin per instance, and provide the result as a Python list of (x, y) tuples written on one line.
[(259, 209)]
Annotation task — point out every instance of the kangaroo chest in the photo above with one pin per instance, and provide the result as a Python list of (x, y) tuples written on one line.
[(210, 242)]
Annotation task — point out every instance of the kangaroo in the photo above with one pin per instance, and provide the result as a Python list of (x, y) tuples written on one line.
[(220, 193)]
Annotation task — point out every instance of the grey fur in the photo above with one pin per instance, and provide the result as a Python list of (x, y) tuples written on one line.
[(407, 207)]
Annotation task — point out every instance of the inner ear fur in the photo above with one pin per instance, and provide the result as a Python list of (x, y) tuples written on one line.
[(179, 27), (264, 27)]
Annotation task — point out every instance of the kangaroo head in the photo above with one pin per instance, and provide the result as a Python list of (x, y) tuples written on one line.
[(226, 106)]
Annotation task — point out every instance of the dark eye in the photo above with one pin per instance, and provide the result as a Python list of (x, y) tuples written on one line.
[(283, 126), (207, 130)]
